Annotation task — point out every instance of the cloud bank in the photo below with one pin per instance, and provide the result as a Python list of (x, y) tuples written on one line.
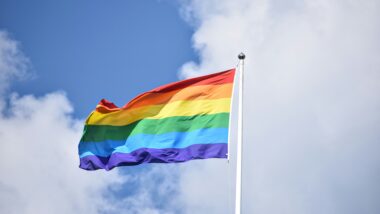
[(312, 104)]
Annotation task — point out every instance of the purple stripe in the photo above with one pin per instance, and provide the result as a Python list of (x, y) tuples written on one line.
[(146, 155)]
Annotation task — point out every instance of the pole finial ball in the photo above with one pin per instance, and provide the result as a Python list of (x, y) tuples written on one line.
[(241, 56)]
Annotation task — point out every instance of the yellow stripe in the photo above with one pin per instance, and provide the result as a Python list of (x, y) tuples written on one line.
[(177, 108)]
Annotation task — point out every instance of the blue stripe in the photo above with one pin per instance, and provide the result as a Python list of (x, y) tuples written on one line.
[(159, 141)]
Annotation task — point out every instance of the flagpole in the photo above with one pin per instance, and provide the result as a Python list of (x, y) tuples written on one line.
[(240, 136)]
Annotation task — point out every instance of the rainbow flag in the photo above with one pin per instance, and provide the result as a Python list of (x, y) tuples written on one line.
[(177, 122)]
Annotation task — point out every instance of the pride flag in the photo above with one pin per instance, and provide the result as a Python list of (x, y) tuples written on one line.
[(177, 122)]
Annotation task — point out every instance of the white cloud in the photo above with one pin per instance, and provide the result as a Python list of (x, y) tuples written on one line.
[(148, 189), (311, 106), (39, 163), (38, 150), (13, 63)]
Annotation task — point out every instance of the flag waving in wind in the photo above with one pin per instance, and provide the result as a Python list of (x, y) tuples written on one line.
[(177, 122)]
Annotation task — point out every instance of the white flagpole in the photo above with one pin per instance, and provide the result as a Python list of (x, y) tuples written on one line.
[(240, 136)]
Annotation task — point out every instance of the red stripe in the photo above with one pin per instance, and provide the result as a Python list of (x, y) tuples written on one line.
[(211, 79)]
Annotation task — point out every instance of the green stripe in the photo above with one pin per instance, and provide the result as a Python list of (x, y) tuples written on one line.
[(97, 133)]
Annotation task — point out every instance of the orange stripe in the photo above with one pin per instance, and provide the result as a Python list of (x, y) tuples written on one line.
[(201, 92)]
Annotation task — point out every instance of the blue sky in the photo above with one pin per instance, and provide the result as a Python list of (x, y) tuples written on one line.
[(311, 103), (91, 50), (98, 49)]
